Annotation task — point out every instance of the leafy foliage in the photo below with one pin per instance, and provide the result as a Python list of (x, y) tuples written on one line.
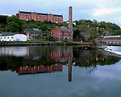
[(94, 29), (14, 24), (3, 19)]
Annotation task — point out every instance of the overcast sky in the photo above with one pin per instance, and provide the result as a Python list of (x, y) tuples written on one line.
[(101, 10)]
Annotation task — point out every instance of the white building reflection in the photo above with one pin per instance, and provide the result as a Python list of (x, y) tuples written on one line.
[(37, 52), (13, 51)]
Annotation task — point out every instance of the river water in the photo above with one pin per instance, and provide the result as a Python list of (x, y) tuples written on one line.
[(59, 71)]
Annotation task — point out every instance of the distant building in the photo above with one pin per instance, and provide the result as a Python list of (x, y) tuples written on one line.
[(110, 39), (9, 36), (85, 36), (62, 33), (39, 17), (32, 32), (111, 36)]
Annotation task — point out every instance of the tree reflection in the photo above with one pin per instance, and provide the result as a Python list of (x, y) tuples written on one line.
[(54, 55), (87, 58)]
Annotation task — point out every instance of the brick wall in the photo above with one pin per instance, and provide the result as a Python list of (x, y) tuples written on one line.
[(62, 34), (39, 17)]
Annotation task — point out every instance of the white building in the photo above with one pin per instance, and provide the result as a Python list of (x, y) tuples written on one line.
[(112, 36), (8, 36)]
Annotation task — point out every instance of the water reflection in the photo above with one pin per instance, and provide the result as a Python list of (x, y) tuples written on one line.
[(43, 59), (59, 72), (13, 51), (70, 70)]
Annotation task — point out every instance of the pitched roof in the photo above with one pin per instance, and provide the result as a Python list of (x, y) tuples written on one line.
[(64, 28), (42, 13), (7, 33), (24, 12), (58, 15)]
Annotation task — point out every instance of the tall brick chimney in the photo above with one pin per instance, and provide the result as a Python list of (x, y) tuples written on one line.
[(70, 24)]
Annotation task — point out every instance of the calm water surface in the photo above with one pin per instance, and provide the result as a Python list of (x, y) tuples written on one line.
[(38, 71)]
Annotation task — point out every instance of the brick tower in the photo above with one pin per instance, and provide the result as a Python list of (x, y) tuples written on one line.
[(70, 24)]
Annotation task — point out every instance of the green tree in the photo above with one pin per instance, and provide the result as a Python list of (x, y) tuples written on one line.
[(117, 32), (3, 19), (3, 22), (14, 24)]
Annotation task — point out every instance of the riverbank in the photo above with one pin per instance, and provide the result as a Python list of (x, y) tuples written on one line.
[(85, 45)]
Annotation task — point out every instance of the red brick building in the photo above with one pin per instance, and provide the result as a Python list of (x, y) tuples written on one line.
[(62, 33), (39, 16)]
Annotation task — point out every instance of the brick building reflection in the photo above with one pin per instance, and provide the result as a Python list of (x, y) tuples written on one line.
[(56, 53), (39, 69), (40, 59), (62, 53)]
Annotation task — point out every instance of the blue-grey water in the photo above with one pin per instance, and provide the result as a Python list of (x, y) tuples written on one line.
[(29, 72)]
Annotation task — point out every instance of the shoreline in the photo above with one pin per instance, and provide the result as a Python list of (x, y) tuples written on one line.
[(86, 45)]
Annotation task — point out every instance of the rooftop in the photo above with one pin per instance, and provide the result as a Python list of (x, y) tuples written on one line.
[(7, 33), (64, 28), (24, 12)]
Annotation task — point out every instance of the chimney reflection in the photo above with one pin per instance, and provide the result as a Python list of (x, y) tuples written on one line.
[(70, 70)]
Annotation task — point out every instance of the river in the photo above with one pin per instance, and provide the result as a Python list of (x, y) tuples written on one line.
[(59, 71)]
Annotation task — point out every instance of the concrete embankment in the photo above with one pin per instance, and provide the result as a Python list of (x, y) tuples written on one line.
[(85, 45)]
